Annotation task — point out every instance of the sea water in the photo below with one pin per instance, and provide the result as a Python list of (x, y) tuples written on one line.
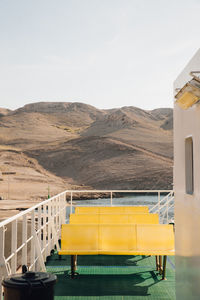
[(132, 200)]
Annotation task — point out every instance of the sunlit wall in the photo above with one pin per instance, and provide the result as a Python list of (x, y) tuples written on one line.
[(187, 204)]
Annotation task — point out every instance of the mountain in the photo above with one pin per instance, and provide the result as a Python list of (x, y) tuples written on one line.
[(120, 148), (4, 111)]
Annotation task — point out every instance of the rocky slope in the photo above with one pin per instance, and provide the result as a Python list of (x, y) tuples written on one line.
[(77, 144)]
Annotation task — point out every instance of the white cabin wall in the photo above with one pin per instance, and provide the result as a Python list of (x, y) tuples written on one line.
[(187, 207)]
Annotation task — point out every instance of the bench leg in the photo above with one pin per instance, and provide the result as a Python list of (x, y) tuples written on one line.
[(73, 266), (75, 262), (160, 265), (157, 263), (164, 267)]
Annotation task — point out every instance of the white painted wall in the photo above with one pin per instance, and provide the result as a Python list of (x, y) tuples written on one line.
[(187, 207)]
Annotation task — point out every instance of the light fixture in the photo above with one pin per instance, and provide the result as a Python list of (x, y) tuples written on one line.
[(189, 94)]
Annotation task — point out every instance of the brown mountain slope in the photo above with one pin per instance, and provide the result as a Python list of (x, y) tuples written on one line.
[(4, 111), (105, 163), (30, 181), (136, 127), (118, 148)]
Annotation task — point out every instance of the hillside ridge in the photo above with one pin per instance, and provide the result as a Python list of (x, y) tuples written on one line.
[(81, 145)]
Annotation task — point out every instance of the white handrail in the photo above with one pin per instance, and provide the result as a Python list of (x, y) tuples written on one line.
[(166, 203), (39, 226), (160, 202)]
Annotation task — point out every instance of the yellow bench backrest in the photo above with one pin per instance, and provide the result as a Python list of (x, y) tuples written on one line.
[(110, 209), (115, 239), (114, 218), (153, 236), (73, 238)]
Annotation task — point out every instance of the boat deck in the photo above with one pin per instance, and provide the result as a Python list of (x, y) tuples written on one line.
[(112, 277)]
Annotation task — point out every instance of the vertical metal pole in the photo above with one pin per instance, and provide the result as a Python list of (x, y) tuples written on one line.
[(63, 209), (2, 261), (59, 216), (44, 231), (14, 247), (167, 209), (73, 265), (164, 267), (159, 205), (39, 254), (160, 265), (71, 203), (157, 263), (32, 240), (56, 205), (39, 225), (49, 228), (111, 198), (24, 239)]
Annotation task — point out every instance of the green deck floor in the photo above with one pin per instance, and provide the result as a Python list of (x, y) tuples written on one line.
[(112, 277)]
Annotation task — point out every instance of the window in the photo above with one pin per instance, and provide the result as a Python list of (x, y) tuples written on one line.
[(189, 168)]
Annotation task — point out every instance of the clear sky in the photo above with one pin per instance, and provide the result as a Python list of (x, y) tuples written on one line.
[(107, 53)]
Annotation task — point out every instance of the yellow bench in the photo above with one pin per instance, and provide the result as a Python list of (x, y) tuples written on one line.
[(148, 239), (110, 209), (142, 218)]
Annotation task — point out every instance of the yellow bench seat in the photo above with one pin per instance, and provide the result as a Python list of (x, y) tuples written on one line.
[(110, 209), (142, 218), (140, 239), (148, 239)]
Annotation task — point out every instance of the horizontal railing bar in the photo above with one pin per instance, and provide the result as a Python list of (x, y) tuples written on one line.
[(9, 257), (28, 210), (21, 214), (118, 191), (18, 249)]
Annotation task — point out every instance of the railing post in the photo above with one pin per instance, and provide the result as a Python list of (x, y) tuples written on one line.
[(167, 210), (24, 239), (45, 231), (59, 215), (49, 228), (2, 260), (14, 247), (71, 202), (56, 211), (63, 208), (32, 259), (40, 225), (111, 197), (159, 205), (38, 251)]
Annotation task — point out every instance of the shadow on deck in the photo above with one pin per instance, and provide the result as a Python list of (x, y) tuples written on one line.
[(111, 277)]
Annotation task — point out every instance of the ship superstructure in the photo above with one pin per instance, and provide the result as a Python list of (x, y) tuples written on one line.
[(186, 180)]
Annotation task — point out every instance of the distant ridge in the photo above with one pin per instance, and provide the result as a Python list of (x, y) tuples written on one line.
[(115, 148)]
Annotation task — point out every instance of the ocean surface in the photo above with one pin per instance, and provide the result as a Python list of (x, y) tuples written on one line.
[(137, 199)]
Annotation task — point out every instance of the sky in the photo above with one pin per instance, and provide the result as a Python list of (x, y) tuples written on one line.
[(107, 53)]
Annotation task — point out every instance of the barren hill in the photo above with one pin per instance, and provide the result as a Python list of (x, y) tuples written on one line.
[(4, 111), (78, 144)]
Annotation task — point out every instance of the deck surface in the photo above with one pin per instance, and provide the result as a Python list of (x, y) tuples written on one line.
[(107, 277)]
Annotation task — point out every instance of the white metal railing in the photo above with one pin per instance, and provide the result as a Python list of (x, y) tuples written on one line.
[(164, 207), (28, 237)]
